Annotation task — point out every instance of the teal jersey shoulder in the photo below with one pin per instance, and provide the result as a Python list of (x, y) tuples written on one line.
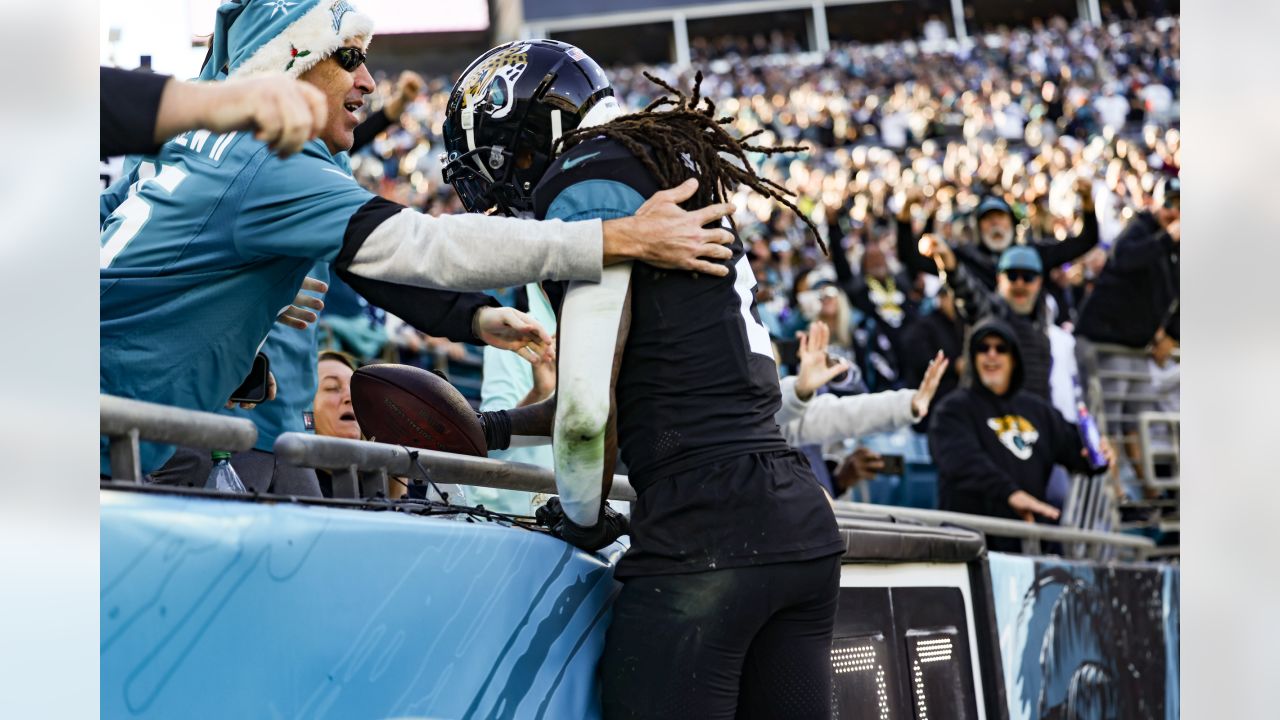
[(203, 245)]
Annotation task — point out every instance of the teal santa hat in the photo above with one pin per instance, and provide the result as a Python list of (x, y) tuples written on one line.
[(259, 37)]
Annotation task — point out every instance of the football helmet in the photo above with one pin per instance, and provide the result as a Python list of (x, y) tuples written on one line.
[(505, 114)]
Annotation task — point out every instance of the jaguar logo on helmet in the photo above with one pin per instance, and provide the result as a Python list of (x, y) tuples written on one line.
[(495, 80), (505, 114)]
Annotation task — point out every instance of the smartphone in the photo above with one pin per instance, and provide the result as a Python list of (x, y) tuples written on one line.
[(893, 465), (254, 387)]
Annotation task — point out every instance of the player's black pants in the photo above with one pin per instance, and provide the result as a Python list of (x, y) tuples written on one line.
[(750, 642)]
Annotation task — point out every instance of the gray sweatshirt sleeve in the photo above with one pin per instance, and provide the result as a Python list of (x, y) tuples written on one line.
[(827, 418), (476, 252)]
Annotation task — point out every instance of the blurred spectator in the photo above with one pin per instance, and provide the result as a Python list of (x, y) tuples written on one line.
[(994, 445), (808, 418), (1165, 372), (1017, 301), (995, 230), (882, 308), (940, 330), (1136, 295), (1113, 109)]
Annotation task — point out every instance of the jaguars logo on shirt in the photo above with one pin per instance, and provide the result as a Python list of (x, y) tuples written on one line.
[(1016, 433)]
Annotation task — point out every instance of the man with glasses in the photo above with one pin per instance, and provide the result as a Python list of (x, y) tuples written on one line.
[(205, 242), (995, 445), (1018, 301)]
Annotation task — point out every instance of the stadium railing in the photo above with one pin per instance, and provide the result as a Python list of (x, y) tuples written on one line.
[(1158, 435), (125, 422), (363, 468), (1158, 510)]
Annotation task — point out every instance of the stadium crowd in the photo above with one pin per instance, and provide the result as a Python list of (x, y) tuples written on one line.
[(1068, 129)]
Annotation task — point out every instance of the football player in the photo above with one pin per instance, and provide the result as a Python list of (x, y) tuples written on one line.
[(206, 241), (730, 582)]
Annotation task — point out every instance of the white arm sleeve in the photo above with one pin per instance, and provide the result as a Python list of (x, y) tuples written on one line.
[(589, 322), (828, 418), (478, 252), (792, 406)]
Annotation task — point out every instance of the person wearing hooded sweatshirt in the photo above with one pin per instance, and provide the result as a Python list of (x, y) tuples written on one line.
[(995, 445)]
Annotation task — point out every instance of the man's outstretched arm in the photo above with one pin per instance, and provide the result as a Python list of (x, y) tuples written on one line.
[(390, 242)]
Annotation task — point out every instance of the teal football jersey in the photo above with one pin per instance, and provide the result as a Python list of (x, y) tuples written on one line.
[(292, 353), (202, 246)]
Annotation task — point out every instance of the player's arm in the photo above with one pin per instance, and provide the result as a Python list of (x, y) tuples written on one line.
[(593, 329)]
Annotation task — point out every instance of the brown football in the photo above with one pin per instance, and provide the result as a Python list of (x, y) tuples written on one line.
[(406, 405)]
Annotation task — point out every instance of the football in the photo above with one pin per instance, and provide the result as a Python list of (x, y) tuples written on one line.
[(406, 405)]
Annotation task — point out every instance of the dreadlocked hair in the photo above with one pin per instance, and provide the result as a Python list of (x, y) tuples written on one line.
[(688, 140)]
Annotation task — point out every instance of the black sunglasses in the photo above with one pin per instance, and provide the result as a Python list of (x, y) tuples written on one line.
[(998, 347), (1026, 276), (350, 58)]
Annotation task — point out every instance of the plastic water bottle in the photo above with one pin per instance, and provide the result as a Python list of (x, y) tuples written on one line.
[(223, 477), (1089, 435)]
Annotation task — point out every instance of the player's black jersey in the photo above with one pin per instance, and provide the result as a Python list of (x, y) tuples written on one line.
[(697, 394), (698, 380)]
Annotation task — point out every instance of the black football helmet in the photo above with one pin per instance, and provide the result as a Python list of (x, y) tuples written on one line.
[(505, 113)]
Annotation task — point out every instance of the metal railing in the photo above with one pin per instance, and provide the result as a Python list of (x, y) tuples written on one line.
[(364, 462), (366, 467), (1030, 534), (1091, 355), (1090, 505), (125, 422), (1158, 438)]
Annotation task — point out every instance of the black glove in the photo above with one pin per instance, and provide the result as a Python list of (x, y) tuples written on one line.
[(609, 527)]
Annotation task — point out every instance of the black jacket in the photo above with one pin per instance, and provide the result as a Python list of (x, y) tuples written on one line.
[(878, 337), (981, 262), (975, 302), (1137, 288), (986, 446), (920, 342)]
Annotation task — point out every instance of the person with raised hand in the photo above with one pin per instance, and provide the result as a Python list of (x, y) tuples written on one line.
[(808, 419)]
